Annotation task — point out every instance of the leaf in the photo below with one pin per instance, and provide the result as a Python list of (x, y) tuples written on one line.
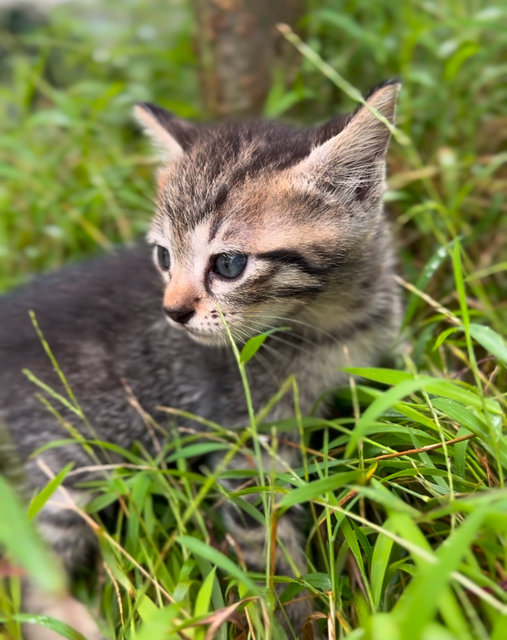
[(500, 628), (388, 499), (351, 539), (203, 598), (146, 608), (460, 283), (379, 406), (203, 550), (253, 345), (39, 500), (198, 449), (47, 622), (442, 337), (490, 340), (485, 336), (18, 535), (454, 389), (383, 626), (158, 623), (317, 488), (379, 563), (320, 581), (427, 273)]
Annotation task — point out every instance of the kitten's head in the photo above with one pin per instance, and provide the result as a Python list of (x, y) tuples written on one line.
[(267, 223)]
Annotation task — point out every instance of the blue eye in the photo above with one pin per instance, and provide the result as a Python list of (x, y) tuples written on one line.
[(230, 265), (163, 258)]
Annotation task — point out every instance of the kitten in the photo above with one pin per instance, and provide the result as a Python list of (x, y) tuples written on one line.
[(274, 226)]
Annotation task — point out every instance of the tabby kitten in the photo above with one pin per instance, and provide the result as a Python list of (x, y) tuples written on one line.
[(269, 224)]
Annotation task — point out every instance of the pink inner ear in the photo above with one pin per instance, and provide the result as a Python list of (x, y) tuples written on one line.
[(359, 147), (167, 147)]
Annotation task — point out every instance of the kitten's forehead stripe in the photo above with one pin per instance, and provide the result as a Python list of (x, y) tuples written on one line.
[(214, 228), (294, 258), (225, 158)]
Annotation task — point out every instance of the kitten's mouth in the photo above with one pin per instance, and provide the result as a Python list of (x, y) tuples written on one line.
[(210, 339)]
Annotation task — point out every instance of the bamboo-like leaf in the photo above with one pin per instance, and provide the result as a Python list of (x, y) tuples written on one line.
[(40, 499), (317, 488), (203, 598), (253, 345), (379, 564), (47, 622), (217, 558), (490, 340)]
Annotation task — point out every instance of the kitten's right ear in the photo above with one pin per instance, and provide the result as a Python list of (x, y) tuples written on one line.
[(170, 135)]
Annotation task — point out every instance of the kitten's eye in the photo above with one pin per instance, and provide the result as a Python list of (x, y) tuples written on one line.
[(230, 265), (163, 258)]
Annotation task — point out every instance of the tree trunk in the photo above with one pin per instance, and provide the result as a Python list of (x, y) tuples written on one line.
[(238, 48)]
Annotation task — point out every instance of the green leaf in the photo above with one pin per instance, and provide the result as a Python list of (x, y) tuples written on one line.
[(19, 537), (320, 581), (203, 550), (442, 337), (198, 449), (453, 389), (318, 488), (376, 492), (462, 415), (379, 406), (253, 345), (379, 564), (203, 598), (40, 499), (500, 628), (351, 539), (490, 340), (485, 336), (460, 284), (47, 622), (427, 273), (383, 626), (158, 623)]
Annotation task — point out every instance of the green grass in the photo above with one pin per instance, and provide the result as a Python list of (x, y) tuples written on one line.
[(404, 487)]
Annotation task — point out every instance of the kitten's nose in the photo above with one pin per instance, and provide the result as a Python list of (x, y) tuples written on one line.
[(180, 314)]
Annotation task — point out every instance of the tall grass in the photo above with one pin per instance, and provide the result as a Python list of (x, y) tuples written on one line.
[(404, 486)]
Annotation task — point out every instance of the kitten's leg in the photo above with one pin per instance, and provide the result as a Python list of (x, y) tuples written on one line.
[(250, 535), (74, 543)]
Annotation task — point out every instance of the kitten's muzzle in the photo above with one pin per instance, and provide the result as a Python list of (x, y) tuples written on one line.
[(181, 315)]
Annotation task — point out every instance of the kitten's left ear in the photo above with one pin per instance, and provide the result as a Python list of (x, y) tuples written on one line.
[(170, 135), (357, 152)]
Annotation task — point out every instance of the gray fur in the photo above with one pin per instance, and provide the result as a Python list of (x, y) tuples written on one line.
[(104, 321)]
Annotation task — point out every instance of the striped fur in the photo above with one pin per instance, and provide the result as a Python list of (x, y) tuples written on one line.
[(307, 214), (305, 208)]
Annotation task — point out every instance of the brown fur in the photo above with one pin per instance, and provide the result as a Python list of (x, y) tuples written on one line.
[(302, 210)]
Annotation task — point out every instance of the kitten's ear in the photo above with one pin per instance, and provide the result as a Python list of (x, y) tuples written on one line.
[(357, 152), (170, 135)]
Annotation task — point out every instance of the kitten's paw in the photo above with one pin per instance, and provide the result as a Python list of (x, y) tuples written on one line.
[(63, 608)]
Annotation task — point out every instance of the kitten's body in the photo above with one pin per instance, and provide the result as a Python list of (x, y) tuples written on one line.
[(319, 261)]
